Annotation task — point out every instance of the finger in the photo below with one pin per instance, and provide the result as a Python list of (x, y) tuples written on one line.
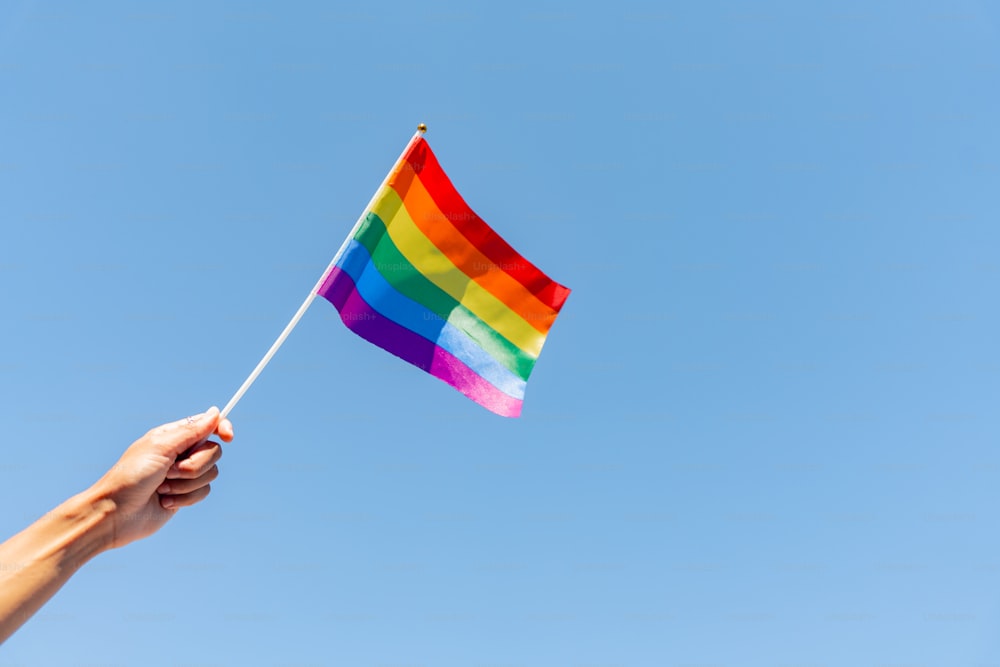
[(181, 486), (175, 437), (197, 460), (201, 446), (225, 430), (185, 500)]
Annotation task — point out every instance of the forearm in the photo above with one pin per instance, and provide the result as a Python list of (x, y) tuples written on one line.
[(36, 562), (168, 468)]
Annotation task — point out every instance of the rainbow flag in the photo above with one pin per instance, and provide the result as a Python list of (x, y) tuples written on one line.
[(426, 279)]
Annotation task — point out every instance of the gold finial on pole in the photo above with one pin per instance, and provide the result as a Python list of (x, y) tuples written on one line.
[(421, 128)]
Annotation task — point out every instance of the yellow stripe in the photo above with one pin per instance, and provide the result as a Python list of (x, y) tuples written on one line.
[(469, 259), (435, 265)]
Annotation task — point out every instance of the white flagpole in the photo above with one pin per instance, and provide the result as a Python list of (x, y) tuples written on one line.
[(319, 283)]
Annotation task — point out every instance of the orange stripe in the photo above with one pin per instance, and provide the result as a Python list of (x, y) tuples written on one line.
[(442, 233), (474, 228)]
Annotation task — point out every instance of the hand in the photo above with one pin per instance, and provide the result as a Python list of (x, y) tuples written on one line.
[(168, 468)]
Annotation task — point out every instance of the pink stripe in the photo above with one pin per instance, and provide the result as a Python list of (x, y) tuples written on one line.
[(340, 290)]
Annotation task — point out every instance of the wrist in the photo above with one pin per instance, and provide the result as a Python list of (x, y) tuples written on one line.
[(86, 527)]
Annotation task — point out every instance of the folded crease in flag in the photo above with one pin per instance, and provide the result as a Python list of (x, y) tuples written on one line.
[(426, 279)]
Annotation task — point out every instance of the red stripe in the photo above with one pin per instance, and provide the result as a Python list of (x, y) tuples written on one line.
[(475, 229)]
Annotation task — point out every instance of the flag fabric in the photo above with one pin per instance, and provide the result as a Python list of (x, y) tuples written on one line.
[(426, 279)]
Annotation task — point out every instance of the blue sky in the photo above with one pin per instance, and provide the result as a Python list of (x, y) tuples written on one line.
[(762, 432)]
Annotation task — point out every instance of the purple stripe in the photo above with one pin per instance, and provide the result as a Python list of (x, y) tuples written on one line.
[(362, 319)]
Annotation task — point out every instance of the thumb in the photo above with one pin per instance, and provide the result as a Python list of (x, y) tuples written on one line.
[(174, 438)]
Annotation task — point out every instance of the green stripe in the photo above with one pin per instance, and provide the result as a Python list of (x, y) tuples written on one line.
[(405, 278)]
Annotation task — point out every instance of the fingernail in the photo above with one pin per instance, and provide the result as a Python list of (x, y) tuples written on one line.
[(167, 503), (164, 488)]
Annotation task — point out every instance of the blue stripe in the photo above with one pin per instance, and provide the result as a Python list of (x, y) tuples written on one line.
[(383, 297)]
